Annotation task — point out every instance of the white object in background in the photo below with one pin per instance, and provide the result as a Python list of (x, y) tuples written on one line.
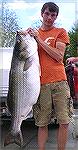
[(75, 127)]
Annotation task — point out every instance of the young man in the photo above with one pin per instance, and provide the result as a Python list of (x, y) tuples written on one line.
[(52, 42)]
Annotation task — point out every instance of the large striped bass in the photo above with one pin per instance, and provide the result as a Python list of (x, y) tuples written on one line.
[(24, 85)]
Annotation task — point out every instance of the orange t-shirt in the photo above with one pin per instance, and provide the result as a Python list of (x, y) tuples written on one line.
[(51, 70)]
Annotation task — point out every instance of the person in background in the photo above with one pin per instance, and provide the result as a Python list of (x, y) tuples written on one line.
[(55, 92), (74, 61)]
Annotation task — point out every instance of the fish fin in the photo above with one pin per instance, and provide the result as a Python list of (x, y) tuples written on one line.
[(14, 138), (27, 64), (18, 139), (9, 139)]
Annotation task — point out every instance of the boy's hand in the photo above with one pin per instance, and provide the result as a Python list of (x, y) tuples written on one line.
[(32, 32)]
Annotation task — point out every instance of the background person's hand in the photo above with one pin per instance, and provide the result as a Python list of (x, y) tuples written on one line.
[(70, 60)]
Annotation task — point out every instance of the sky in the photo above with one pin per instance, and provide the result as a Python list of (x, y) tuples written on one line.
[(28, 12)]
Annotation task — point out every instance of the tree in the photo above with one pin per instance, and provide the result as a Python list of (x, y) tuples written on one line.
[(9, 27), (74, 40), (72, 50)]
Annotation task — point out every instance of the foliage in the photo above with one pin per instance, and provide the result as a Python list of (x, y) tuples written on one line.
[(9, 26), (74, 40), (72, 50)]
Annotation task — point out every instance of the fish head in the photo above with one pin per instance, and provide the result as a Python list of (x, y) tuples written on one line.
[(25, 43), (20, 44)]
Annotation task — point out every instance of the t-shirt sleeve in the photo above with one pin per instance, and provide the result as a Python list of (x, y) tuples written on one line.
[(63, 37)]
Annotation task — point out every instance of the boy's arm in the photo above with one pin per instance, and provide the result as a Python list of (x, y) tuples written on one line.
[(56, 53)]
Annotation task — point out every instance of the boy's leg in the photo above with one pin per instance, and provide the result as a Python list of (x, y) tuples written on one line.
[(42, 113), (62, 136), (42, 137), (61, 99)]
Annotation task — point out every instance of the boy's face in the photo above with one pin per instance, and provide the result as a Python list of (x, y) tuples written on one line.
[(48, 17)]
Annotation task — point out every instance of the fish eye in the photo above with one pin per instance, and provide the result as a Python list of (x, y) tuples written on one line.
[(18, 38)]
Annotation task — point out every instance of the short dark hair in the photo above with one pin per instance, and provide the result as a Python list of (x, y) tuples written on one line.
[(52, 7)]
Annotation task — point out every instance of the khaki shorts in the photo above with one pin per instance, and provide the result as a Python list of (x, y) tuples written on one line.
[(54, 100)]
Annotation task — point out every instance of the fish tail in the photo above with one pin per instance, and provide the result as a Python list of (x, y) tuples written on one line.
[(14, 138), (9, 139), (18, 139)]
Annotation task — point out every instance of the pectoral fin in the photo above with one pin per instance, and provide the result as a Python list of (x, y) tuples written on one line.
[(27, 64)]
